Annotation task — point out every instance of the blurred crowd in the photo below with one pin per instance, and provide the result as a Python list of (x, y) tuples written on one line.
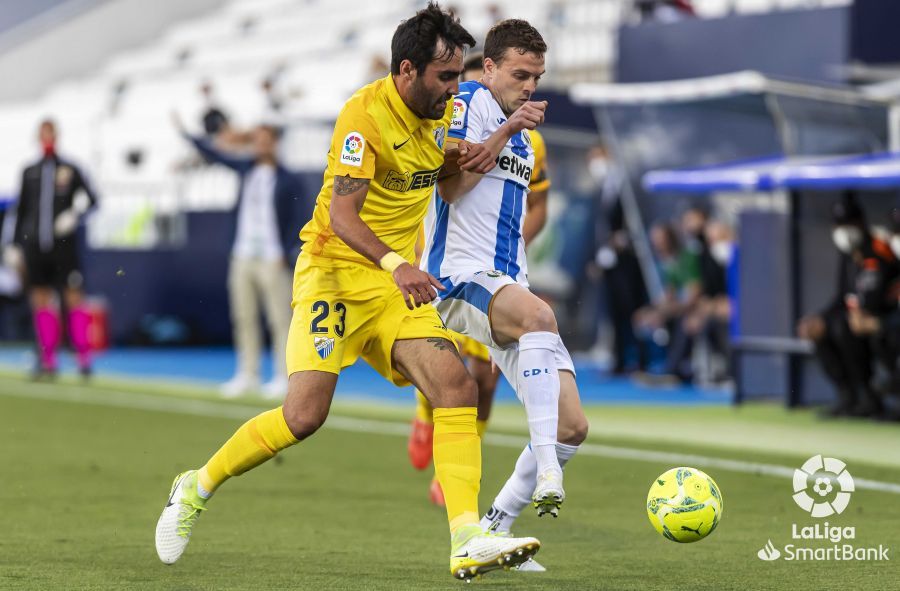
[(671, 307), (670, 315)]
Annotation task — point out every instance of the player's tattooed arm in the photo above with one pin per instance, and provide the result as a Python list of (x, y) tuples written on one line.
[(345, 185), (347, 199)]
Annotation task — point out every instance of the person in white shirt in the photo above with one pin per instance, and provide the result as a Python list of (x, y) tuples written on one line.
[(265, 241), (474, 245)]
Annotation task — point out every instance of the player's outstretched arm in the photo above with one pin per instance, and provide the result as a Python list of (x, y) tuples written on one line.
[(347, 199)]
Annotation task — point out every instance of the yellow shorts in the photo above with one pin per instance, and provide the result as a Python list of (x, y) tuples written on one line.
[(469, 347), (344, 310)]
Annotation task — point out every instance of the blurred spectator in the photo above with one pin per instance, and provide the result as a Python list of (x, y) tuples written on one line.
[(623, 283), (873, 307), (891, 325), (273, 101), (273, 104), (214, 119), (846, 354), (709, 322), (682, 288), (40, 236), (265, 242)]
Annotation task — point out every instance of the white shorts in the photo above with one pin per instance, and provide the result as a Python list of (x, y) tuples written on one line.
[(465, 308)]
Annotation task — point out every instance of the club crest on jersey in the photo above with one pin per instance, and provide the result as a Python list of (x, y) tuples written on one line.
[(439, 136), (494, 273), (353, 149), (324, 346), (459, 113)]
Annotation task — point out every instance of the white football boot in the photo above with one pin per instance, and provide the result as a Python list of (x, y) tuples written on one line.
[(549, 494), (476, 552), (183, 507)]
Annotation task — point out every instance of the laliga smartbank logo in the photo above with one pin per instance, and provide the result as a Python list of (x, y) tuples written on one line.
[(827, 476), (822, 487)]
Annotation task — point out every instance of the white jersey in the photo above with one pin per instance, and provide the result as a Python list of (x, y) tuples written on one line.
[(482, 230)]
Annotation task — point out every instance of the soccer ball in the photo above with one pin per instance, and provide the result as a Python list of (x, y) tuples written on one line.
[(684, 505)]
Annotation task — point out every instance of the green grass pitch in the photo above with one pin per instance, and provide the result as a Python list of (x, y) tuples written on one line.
[(85, 476)]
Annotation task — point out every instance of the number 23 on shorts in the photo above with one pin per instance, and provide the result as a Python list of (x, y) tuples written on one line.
[(322, 311)]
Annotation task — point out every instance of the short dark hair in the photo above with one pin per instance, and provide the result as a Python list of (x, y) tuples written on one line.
[(416, 39), (516, 34), (473, 61)]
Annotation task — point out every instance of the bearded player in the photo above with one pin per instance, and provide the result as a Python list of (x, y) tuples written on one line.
[(357, 295)]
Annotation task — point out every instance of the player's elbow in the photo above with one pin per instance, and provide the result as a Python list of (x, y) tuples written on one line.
[(448, 192)]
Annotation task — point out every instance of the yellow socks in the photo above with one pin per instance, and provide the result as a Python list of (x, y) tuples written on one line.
[(424, 412), (457, 463), (256, 441)]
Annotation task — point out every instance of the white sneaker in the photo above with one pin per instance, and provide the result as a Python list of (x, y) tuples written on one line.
[(239, 385), (173, 530), (476, 552), (531, 566), (549, 494), (276, 388)]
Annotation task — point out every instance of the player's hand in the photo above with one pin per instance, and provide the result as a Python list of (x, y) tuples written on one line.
[(528, 116), (475, 158), (417, 287)]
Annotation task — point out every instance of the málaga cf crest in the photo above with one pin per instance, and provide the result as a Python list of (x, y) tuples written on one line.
[(324, 346)]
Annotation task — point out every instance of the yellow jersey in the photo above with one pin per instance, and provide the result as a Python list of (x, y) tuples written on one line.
[(377, 137), (540, 180)]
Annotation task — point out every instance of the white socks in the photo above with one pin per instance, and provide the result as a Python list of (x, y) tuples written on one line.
[(538, 385), (516, 493)]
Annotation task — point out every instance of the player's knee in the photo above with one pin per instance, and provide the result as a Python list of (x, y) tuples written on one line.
[(541, 319), (303, 422), (574, 432)]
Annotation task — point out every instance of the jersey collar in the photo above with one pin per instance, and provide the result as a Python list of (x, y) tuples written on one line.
[(410, 119)]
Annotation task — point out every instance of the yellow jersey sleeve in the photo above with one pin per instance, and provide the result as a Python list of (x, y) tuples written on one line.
[(540, 180), (355, 142)]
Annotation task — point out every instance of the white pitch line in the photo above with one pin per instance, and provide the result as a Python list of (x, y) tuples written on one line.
[(209, 408)]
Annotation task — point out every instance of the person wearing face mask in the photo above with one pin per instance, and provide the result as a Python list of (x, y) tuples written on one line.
[(845, 354), (40, 236), (265, 240), (709, 320), (891, 329), (873, 307)]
